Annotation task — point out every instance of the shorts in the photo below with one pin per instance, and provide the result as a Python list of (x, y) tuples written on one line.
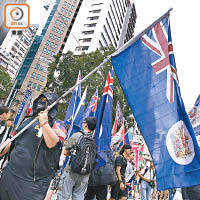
[(116, 193)]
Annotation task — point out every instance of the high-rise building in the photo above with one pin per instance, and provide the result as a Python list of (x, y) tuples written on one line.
[(33, 73), (3, 30), (101, 24), (16, 47)]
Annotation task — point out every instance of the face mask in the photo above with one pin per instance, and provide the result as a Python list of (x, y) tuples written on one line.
[(40, 106)]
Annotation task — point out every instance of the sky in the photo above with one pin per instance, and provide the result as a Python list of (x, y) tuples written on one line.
[(185, 30)]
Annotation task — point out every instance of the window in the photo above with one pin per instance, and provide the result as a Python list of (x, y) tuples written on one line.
[(82, 48), (90, 25), (58, 39), (38, 87), (42, 78), (29, 84), (61, 32), (95, 11), (87, 32), (38, 77), (54, 28), (41, 68), (33, 75), (45, 69), (54, 37), (93, 18), (34, 85), (49, 51), (52, 44), (50, 35), (57, 22), (22, 49), (37, 66), (52, 53), (85, 40), (44, 50), (16, 44), (55, 46), (47, 42)]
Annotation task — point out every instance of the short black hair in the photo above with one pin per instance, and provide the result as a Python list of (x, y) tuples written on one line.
[(4, 109), (91, 122), (126, 146)]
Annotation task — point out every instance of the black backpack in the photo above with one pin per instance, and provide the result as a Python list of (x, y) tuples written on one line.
[(105, 175), (83, 160)]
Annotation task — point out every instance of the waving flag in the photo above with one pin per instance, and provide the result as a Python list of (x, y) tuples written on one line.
[(147, 74), (74, 101), (92, 106), (118, 118), (78, 117), (30, 108), (194, 116), (104, 121)]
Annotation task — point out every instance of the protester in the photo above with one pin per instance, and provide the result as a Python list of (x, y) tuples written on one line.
[(4, 132), (74, 184), (147, 181), (118, 190), (191, 193), (35, 156), (9, 130), (129, 176)]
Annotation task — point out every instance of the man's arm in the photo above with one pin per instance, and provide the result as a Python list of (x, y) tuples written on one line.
[(50, 137), (122, 187), (6, 150)]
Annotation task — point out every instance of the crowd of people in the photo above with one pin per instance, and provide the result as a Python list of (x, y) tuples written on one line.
[(30, 164)]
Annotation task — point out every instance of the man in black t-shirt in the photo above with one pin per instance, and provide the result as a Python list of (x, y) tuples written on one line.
[(118, 190)]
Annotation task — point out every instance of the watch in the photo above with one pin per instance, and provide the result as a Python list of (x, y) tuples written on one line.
[(121, 181)]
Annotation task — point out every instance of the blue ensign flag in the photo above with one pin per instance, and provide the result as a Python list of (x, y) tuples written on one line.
[(104, 121), (147, 74), (92, 106), (74, 102)]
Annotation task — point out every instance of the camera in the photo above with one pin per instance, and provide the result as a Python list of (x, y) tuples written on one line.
[(151, 183)]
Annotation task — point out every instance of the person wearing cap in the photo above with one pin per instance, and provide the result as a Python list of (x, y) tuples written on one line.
[(35, 154), (118, 190), (74, 185)]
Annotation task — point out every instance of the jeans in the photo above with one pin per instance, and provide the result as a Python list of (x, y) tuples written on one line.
[(145, 190), (73, 185)]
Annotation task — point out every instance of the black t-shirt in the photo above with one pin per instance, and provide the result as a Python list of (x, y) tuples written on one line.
[(23, 154), (121, 161)]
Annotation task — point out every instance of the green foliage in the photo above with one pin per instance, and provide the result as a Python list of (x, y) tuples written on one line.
[(5, 83), (68, 69)]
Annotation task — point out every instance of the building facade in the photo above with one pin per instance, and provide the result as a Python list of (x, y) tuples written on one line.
[(33, 73), (16, 47), (102, 24)]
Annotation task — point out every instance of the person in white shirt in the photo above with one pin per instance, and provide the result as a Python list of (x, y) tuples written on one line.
[(148, 181), (129, 175)]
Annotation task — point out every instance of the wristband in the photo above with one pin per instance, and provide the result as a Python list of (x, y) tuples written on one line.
[(46, 122)]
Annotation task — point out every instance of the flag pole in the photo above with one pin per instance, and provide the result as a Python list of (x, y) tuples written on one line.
[(134, 39), (55, 102)]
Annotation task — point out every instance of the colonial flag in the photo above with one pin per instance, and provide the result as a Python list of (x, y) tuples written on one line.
[(104, 121), (194, 116), (118, 118), (92, 106), (78, 117), (146, 70), (74, 101)]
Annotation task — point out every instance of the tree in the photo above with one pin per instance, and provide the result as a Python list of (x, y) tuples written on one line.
[(67, 72), (5, 83)]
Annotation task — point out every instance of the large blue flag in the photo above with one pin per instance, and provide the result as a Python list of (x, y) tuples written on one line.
[(92, 106), (104, 121), (147, 74), (74, 102)]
